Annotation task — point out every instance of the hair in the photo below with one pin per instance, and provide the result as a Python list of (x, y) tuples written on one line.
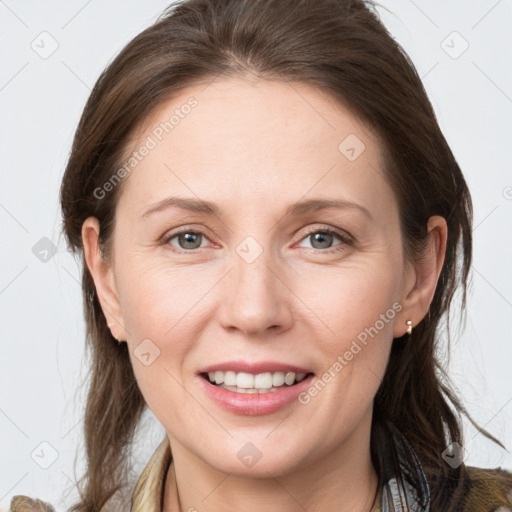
[(337, 46)]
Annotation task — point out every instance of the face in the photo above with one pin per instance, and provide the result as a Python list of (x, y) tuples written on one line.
[(297, 263)]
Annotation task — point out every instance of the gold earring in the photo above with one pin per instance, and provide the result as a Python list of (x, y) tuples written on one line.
[(409, 327)]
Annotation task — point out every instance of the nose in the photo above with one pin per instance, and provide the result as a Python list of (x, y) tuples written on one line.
[(256, 300)]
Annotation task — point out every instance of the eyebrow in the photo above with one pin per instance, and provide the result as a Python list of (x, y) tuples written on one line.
[(209, 208)]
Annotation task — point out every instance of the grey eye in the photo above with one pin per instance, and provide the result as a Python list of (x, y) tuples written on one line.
[(324, 240), (188, 240)]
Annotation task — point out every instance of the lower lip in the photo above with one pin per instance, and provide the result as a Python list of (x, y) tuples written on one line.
[(257, 404)]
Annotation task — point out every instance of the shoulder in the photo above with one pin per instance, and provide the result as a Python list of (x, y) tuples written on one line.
[(488, 490), (25, 504)]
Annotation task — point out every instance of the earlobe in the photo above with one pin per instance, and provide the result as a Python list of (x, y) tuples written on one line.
[(423, 276), (102, 274)]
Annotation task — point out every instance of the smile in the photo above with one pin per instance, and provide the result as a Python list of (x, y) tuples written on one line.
[(243, 382)]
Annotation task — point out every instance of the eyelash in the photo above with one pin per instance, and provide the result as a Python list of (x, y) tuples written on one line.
[(345, 239)]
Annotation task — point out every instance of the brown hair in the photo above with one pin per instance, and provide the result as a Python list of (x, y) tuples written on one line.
[(341, 47)]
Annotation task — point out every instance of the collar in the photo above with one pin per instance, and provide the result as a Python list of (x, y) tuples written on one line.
[(149, 490), (391, 496)]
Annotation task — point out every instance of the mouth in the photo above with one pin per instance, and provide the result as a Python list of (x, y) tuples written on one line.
[(248, 383)]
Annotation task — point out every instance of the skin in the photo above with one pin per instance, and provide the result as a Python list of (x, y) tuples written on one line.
[(254, 147)]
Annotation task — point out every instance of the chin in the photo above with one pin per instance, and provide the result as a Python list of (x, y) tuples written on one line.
[(258, 460)]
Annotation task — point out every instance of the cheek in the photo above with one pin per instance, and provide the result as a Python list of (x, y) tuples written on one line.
[(157, 304), (156, 297), (351, 298), (358, 308), (357, 305)]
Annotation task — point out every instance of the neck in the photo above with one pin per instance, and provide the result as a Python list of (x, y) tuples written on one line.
[(344, 480)]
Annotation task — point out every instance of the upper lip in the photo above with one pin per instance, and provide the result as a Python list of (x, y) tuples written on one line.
[(254, 368)]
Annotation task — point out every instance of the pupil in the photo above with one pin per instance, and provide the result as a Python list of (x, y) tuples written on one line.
[(325, 238), (189, 240)]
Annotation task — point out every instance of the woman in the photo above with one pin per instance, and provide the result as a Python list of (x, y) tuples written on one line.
[(273, 227)]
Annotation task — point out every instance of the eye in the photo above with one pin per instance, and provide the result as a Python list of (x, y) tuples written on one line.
[(322, 239), (187, 239)]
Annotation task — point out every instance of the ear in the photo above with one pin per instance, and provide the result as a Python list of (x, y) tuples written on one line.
[(422, 275), (103, 277)]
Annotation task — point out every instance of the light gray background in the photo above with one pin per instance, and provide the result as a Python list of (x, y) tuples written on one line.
[(41, 100)]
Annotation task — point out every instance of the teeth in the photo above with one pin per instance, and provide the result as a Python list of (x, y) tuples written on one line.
[(229, 378), (277, 379), (250, 382)]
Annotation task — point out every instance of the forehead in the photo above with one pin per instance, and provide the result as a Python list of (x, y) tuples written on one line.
[(254, 137)]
